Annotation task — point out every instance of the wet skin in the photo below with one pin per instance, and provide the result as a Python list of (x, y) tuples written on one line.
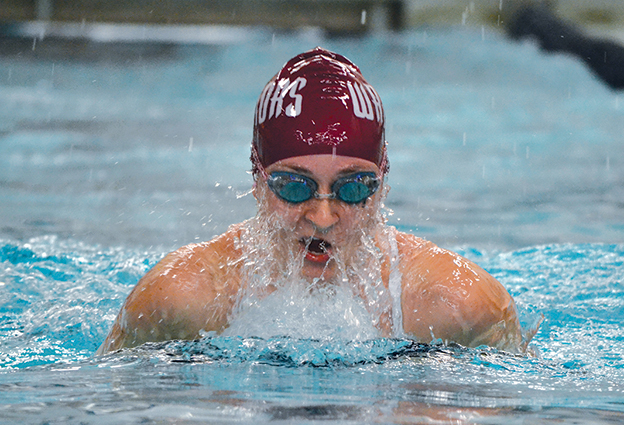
[(444, 296), (320, 225)]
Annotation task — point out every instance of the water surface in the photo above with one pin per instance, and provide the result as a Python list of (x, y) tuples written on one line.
[(112, 155)]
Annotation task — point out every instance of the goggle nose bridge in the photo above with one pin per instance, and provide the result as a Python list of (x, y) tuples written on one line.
[(325, 195)]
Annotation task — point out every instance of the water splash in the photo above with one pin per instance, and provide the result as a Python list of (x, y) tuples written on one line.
[(283, 351), (347, 302), (328, 313), (52, 292)]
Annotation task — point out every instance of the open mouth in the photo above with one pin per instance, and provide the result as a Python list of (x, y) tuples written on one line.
[(316, 250)]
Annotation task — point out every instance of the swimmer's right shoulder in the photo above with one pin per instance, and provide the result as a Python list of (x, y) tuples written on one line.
[(191, 290), (219, 250), (207, 266)]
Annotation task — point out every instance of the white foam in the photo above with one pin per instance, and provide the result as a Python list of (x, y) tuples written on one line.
[(327, 313)]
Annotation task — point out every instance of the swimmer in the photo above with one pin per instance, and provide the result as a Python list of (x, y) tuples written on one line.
[(536, 19), (319, 164)]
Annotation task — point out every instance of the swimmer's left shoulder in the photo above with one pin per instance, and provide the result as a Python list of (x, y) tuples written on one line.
[(409, 242), (415, 248), (415, 251)]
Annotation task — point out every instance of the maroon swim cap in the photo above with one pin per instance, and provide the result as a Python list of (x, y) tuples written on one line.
[(319, 103)]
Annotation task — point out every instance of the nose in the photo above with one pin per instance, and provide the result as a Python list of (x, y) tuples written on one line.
[(322, 213)]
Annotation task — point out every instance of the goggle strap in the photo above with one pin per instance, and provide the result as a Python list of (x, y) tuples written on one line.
[(257, 165)]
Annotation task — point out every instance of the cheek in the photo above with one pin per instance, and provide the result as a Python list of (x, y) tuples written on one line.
[(287, 215), (290, 216), (354, 218), (360, 215)]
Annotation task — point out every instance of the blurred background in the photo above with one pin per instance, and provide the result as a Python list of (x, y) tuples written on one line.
[(342, 16), (128, 122)]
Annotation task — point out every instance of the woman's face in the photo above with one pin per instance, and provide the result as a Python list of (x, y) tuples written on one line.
[(318, 228)]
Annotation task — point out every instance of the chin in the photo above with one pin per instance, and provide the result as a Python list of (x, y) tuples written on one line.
[(312, 270)]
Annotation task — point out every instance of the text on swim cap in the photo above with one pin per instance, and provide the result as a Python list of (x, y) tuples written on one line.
[(273, 96), (364, 99), (361, 96)]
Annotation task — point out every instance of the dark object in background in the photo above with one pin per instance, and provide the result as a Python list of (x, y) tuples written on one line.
[(604, 57)]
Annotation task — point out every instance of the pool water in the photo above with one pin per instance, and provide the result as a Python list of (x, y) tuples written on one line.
[(112, 155)]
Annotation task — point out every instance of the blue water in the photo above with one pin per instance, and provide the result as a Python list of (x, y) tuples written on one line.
[(112, 155)]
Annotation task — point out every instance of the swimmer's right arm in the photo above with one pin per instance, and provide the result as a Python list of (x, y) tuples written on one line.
[(190, 291)]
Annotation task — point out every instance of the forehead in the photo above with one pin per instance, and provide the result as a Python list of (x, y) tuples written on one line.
[(324, 165)]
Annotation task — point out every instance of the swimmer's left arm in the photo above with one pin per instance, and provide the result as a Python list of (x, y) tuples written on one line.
[(448, 297)]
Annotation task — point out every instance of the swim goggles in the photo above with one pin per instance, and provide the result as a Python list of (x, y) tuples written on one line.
[(296, 188)]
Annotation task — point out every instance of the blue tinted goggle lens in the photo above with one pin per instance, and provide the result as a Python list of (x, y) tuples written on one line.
[(296, 188)]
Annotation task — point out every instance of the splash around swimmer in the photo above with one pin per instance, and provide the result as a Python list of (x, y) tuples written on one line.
[(319, 239)]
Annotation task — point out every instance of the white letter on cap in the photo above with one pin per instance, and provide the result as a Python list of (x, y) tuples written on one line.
[(264, 102), (292, 110), (362, 107), (278, 97), (376, 102)]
